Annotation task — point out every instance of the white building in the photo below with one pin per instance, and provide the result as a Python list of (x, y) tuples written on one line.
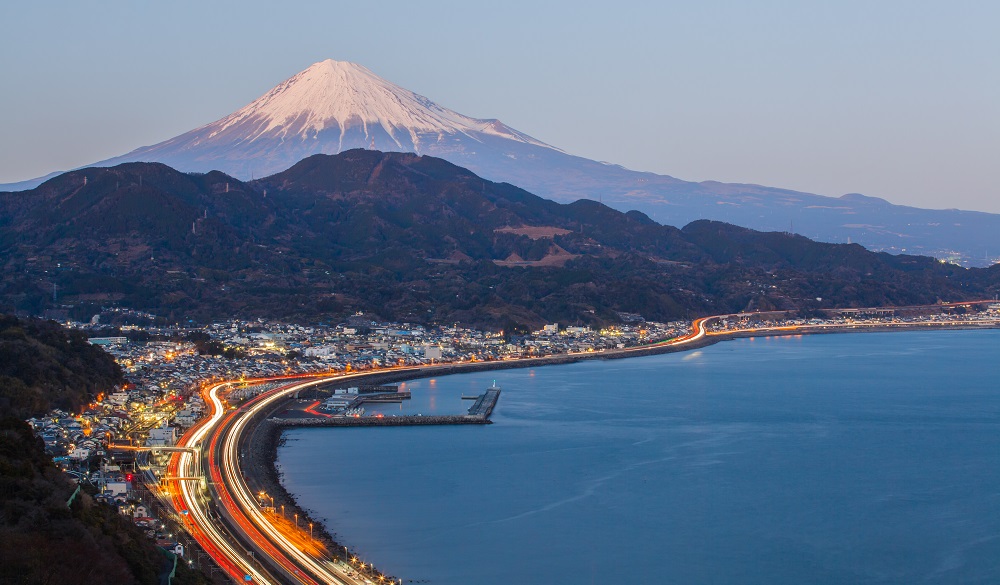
[(116, 488), (321, 351), (162, 436), (119, 398), (186, 417)]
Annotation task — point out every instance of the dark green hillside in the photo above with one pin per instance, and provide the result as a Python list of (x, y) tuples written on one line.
[(42, 540), (43, 366), (416, 239)]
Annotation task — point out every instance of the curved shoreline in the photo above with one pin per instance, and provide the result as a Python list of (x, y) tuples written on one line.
[(262, 442)]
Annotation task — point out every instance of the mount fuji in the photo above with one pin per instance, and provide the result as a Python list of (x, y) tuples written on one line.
[(331, 107), (334, 106)]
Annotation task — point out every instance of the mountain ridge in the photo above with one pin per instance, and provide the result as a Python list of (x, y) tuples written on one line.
[(413, 238)]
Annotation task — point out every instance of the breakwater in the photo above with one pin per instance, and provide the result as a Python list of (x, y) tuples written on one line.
[(479, 414), (380, 421), (483, 407)]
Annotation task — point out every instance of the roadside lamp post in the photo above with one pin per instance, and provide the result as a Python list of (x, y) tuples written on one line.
[(310, 530), (296, 520), (282, 510)]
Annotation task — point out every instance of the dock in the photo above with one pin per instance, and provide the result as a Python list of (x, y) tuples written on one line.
[(383, 397), (483, 406), (479, 414), (407, 420)]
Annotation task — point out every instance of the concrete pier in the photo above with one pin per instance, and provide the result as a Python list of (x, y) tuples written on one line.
[(408, 420), (479, 414), (484, 404)]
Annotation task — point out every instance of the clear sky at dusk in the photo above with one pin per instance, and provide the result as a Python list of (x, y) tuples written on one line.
[(894, 99)]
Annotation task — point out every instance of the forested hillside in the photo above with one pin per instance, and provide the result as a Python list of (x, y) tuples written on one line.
[(43, 540), (416, 239), (44, 366)]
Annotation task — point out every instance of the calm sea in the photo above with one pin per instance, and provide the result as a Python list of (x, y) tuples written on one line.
[(860, 458)]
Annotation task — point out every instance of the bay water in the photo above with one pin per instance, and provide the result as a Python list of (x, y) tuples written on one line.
[(853, 458)]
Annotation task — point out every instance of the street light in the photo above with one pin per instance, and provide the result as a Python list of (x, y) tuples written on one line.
[(310, 530)]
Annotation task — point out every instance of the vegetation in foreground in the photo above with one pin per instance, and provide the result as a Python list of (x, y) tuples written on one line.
[(43, 539)]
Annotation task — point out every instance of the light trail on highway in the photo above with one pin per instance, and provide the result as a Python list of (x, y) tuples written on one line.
[(299, 563), (221, 433), (195, 515)]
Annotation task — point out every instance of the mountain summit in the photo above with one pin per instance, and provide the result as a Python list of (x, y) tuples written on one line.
[(328, 108), (353, 103), (335, 106)]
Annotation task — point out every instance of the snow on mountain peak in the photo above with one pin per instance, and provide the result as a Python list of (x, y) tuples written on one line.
[(339, 95)]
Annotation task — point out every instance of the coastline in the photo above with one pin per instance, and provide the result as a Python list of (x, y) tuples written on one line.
[(261, 444)]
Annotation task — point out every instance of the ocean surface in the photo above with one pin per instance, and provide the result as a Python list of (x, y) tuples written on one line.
[(855, 458)]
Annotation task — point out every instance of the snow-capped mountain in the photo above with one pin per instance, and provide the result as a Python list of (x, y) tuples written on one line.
[(335, 106), (330, 107)]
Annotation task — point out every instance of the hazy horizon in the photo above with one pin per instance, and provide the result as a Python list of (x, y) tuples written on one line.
[(895, 100)]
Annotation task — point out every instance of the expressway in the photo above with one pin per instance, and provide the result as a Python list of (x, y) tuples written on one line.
[(249, 545), (193, 508)]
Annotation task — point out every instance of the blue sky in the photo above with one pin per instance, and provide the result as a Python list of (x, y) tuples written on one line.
[(894, 99)]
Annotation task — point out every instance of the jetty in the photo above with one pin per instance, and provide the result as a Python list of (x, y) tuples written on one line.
[(483, 406), (478, 414)]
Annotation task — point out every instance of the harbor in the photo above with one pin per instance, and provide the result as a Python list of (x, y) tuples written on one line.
[(346, 409)]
